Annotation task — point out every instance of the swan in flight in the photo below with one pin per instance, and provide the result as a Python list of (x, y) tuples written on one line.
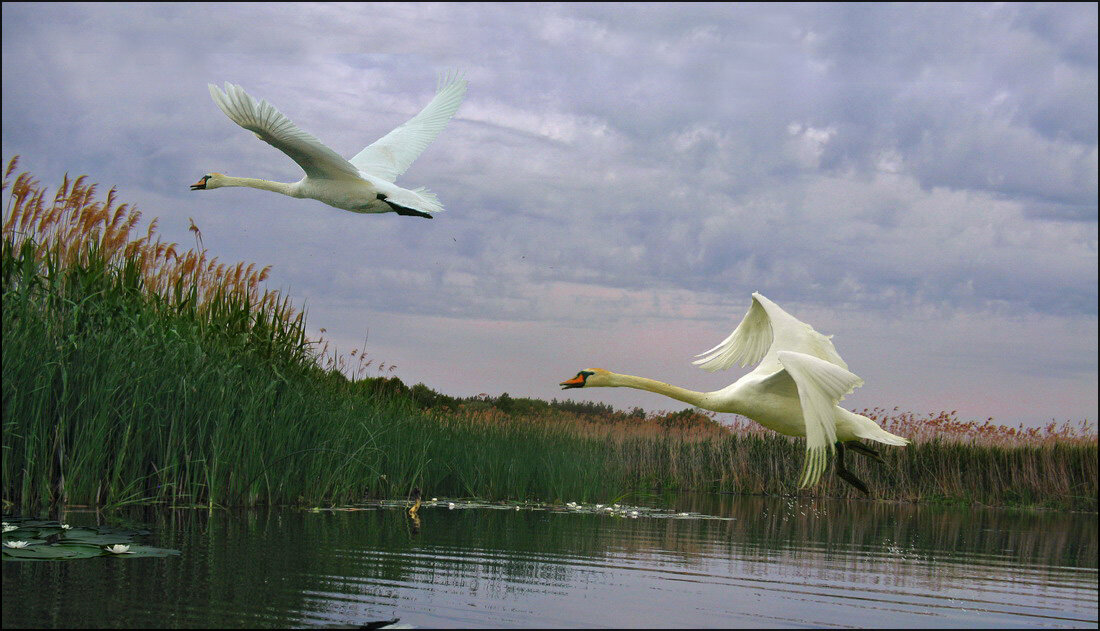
[(363, 184), (794, 389)]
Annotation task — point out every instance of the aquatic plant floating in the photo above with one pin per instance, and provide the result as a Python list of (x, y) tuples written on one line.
[(363, 184), (43, 540), (615, 510), (794, 389)]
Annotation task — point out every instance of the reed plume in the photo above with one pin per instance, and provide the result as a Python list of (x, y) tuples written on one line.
[(139, 371)]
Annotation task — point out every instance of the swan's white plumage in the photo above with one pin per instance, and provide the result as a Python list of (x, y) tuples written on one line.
[(746, 345), (390, 156), (765, 330), (821, 385), (366, 183), (784, 345), (794, 389), (269, 124)]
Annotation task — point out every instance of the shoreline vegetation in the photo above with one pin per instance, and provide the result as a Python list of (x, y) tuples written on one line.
[(137, 372)]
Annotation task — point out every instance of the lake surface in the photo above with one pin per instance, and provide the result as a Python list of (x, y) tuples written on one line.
[(767, 562)]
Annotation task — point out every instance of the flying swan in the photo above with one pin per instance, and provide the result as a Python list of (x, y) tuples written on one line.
[(794, 390), (364, 184)]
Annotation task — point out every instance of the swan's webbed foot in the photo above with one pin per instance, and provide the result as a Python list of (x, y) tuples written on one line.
[(864, 450), (845, 474)]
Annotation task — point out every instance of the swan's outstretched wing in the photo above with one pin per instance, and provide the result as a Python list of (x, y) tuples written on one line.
[(765, 330), (391, 155), (317, 160), (821, 385), (746, 345)]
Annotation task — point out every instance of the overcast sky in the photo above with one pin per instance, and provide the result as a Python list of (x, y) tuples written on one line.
[(918, 180)]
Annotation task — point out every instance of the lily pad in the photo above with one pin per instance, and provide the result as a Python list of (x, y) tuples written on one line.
[(79, 535), (51, 541), (51, 552), (147, 551)]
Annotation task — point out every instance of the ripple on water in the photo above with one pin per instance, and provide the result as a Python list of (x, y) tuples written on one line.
[(765, 563)]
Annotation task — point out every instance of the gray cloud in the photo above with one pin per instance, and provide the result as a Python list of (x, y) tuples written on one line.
[(613, 166)]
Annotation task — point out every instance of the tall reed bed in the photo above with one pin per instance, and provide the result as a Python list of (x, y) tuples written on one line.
[(949, 460), (134, 370), (137, 371)]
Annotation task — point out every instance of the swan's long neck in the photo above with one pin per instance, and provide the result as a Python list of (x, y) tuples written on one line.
[(290, 189), (698, 399)]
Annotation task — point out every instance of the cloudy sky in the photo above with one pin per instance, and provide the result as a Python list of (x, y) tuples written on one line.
[(918, 180)]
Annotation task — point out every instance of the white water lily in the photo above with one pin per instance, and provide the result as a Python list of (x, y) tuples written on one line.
[(16, 544), (451, 505), (118, 548), (65, 526), (10, 527), (435, 499)]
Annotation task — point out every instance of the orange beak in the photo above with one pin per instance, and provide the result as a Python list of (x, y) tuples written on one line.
[(575, 382), (200, 185)]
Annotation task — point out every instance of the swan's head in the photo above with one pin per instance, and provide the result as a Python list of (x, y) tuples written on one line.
[(208, 181), (589, 377)]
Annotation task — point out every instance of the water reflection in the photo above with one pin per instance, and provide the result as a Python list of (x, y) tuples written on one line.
[(775, 563)]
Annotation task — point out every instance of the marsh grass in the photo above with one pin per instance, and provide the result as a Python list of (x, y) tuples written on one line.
[(950, 460), (135, 371)]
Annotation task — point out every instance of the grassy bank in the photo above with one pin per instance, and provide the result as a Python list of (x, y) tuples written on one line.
[(137, 371)]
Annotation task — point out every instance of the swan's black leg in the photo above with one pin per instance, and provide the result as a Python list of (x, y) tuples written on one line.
[(401, 210), (864, 450), (844, 473)]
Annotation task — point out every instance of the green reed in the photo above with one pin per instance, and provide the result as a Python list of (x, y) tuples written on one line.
[(135, 371), (1053, 475)]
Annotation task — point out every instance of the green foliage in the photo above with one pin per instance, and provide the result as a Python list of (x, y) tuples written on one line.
[(136, 373), (28, 539)]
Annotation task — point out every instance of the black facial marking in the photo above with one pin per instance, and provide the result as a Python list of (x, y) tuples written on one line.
[(584, 375)]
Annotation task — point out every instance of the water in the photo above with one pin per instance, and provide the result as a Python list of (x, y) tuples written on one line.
[(770, 562)]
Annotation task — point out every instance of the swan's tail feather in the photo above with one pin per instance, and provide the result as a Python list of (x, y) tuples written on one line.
[(887, 438), (430, 198), (868, 429), (420, 200)]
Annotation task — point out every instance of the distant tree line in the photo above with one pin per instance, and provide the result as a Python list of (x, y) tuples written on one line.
[(428, 399)]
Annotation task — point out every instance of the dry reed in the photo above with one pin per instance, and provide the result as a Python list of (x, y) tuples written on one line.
[(137, 371)]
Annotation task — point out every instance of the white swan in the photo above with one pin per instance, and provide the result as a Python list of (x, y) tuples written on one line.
[(364, 184), (794, 390)]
